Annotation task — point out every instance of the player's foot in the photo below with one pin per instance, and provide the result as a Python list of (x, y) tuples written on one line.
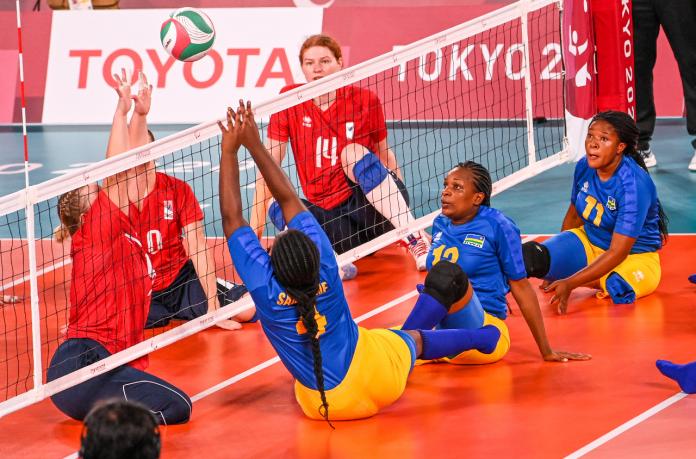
[(418, 246), (684, 375), (692, 278), (648, 158), (348, 272), (692, 164)]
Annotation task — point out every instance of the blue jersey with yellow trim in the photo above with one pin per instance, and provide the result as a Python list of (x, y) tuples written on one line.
[(488, 249), (280, 320), (625, 204)]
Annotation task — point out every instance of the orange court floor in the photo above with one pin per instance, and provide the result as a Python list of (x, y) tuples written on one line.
[(518, 407)]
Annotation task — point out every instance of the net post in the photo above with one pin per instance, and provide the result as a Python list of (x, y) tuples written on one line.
[(33, 279), (529, 108)]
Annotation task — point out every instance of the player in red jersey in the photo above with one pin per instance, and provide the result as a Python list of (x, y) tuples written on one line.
[(111, 284), (168, 209), (347, 171)]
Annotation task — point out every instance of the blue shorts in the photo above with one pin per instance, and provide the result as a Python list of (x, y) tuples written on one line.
[(353, 222), (185, 298)]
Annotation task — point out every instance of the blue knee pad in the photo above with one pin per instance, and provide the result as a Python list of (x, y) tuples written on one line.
[(275, 215), (469, 317), (620, 291), (567, 255), (369, 172)]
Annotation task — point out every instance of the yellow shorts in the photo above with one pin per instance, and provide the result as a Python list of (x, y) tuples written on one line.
[(376, 378), (642, 271), (474, 357)]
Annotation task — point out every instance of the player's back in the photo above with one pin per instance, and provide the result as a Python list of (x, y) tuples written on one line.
[(279, 318), (111, 284)]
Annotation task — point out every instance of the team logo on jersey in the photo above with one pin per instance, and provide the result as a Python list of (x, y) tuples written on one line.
[(437, 236), (611, 203), (307, 121), (475, 240), (585, 187), (350, 130), (168, 210)]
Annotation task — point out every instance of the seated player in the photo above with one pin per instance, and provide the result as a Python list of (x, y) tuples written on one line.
[(109, 291), (169, 219), (614, 225), (487, 246), (342, 371), (684, 375), (346, 169), (120, 429)]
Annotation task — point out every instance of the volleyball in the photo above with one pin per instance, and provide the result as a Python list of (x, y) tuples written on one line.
[(188, 34)]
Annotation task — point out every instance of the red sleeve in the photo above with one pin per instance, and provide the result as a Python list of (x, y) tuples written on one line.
[(378, 126), (187, 207), (279, 125)]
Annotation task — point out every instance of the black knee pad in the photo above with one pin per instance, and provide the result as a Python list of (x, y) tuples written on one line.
[(537, 259), (446, 282)]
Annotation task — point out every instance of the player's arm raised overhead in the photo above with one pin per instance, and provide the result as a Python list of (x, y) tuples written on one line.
[(230, 194), (262, 194), (276, 180)]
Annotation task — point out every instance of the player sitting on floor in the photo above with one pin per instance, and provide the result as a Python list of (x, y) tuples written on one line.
[(346, 169), (487, 246), (111, 281), (342, 371), (169, 219), (614, 225)]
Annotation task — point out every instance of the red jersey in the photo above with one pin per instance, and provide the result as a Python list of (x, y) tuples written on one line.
[(169, 207), (111, 284), (317, 138)]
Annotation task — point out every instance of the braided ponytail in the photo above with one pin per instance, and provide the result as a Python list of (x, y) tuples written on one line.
[(295, 261)]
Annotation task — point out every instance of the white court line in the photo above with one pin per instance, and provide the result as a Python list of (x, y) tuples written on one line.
[(627, 425)]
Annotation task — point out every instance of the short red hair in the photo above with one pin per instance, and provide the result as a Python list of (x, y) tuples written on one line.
[(321, 40)]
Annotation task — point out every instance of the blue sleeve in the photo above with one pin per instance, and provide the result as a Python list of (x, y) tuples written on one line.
[(305, 222), (580, 168), (633, 204), (252, 262), (510, 249)]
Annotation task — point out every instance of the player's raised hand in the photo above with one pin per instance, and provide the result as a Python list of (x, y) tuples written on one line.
[(123, 89), (143, 98), (231, 132), (250, 131)]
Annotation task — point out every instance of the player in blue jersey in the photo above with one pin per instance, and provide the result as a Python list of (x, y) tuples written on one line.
[(614, 225), (302, 308), (487, 246)]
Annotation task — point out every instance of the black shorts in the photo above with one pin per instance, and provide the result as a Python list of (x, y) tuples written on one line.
[(185, 298), (354, 222)]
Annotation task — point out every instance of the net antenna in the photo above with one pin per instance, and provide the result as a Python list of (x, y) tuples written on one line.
[(489, 90)]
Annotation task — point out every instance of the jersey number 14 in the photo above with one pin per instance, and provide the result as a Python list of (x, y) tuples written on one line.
[(326, 148)]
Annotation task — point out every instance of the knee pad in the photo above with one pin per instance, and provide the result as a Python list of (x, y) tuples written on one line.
[(620, 291), (275, 215), (369, 172), (446, 282), (536, 259)]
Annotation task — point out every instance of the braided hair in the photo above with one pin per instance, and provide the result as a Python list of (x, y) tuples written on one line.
[(627, 131), (71, 206), (295, 261), (482, 179)]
